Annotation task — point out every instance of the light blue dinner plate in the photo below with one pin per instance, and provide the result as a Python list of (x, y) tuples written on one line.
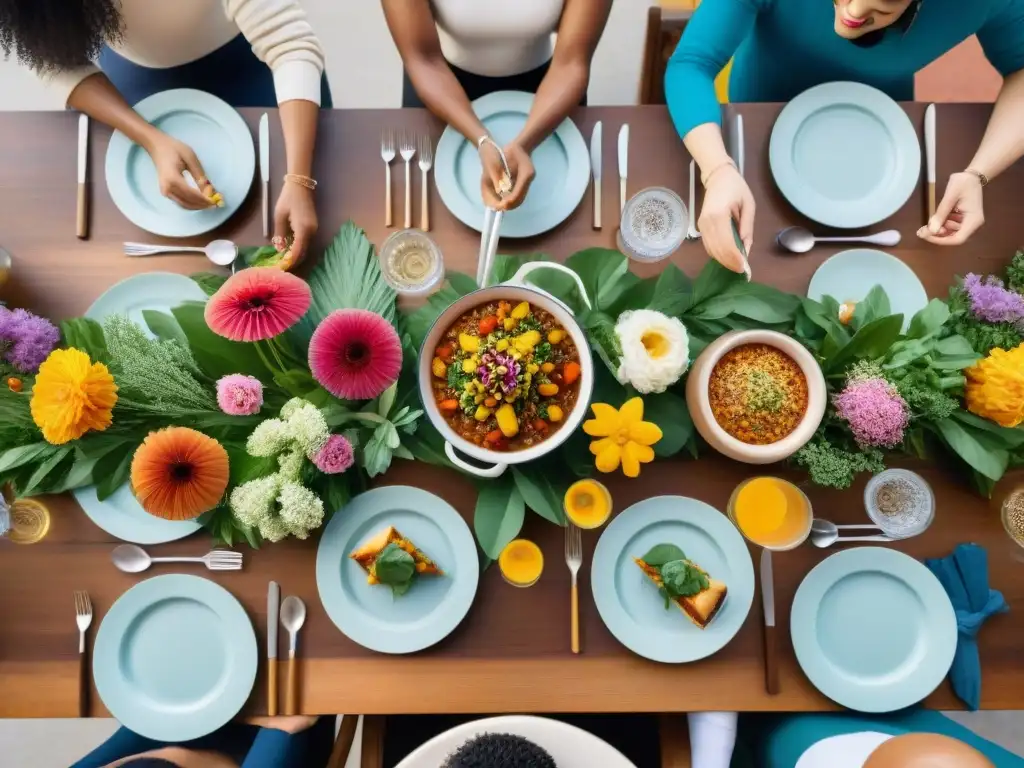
[(219, 137), (873, 629), (845, 155), (562, 163), (850, 276), (435, 605), (630, 604), (175, 658), (121, 515)]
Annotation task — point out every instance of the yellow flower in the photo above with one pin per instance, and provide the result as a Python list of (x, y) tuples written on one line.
[(71, 396), (995, 387), (624, 437)]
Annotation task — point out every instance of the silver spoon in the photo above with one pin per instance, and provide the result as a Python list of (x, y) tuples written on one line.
[(800, 240), (293, 616), (827, 526), (826, 538), (220, 252), (5, 266), (134, 559)]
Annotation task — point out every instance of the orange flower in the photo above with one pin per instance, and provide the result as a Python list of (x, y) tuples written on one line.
[(178, 473)]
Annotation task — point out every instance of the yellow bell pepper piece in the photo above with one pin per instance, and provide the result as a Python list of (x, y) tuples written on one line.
[(532, 367), (507, 421), (554, 413), (502, 345), (470, 364), (508, 323), (482, 413), (556, 336), (469, 343), (438, 368), (548, 390), (521, 310)]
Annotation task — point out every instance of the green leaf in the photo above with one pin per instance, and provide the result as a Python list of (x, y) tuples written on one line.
[(43, 469), (215, 355), (673, 292), (394, 566), (499, 515), (1005, 437), (750, 300), (871, 341), (376, 454), (929, 320), (164, 327), (713, 280), (386, 400), (262, 256), (540, 494), (680, 579), (13, 458), (955, 346), (668, 410), (419, 323), (112, 471), (990, 463), (600, 329), (603, 272), (870, 308), (86, 335), (209, 281), (663, 553), (347, 277), (461, 284)]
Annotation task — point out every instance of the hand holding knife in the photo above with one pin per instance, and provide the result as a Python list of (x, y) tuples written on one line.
[(623, 165), (265, 171), (929, 150), (273, 609), (82, 214)]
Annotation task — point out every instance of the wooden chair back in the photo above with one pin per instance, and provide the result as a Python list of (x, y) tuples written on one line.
[(664, 28)]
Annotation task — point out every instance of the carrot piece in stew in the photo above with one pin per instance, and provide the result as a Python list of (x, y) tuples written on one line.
[(494, 437), (448, 406), (488, 324), (446, 352), (570, 372), (540, 425)]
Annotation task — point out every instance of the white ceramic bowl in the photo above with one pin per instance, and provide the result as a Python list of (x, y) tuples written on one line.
[(514, 291), (722, 441)]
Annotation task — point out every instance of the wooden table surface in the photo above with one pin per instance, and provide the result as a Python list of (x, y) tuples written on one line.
[(511, 654)]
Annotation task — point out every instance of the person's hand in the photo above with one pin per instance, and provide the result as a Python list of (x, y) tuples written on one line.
[(172, 158), (727, 198), (959, 214), (295, 215), (286, 723), (521, 168)]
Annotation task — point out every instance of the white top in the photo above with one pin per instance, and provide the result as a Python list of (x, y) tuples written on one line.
[(166, 33), (497, 38), (850, 750)]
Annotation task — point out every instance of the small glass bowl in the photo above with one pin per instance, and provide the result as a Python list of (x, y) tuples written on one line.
[(411, 262), (914, 520), (1013, 515), (653, 225), (526, 546)]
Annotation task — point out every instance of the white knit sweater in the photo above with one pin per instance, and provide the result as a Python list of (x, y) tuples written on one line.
[(166, 33)]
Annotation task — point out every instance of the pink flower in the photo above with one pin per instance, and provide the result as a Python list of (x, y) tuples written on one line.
[(257, 304), (239, 395), (875, 411), (355, 354), (336, 456)]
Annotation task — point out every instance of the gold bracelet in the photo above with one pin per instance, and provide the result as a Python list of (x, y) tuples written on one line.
[(981, 176), (705, 177), (302, 181)]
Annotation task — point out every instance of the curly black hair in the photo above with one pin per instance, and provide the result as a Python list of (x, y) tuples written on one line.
[(500, 750), (57, 35)]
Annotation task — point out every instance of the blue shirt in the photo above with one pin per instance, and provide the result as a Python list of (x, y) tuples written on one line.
[(783, 47)]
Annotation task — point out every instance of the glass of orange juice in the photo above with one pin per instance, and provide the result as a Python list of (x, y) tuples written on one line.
[(521, 563), (771, 512)]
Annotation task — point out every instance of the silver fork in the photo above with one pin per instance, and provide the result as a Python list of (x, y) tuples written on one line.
[(574, 559), (387, 154), (692, 233), (83, 618), (408, 150), (426, 161), (216, 560)]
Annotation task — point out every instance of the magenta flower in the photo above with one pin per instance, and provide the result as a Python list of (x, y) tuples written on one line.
[(239, 395), (26, 340), (992, 302), (336, 456), (875, 411), (355, 354)]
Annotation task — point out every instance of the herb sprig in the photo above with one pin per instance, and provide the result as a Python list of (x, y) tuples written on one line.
[(396, 568), (679, 577)]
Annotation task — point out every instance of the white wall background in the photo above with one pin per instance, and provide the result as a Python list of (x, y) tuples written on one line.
[(365, 70)]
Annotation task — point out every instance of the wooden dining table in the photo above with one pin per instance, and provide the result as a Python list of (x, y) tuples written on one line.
[(512, 651)]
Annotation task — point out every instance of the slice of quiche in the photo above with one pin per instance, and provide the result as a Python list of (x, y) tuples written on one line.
[(367, 554), (700, 608)]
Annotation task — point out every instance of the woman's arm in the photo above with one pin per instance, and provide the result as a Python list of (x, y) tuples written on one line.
[(415, 34), (565, 83)]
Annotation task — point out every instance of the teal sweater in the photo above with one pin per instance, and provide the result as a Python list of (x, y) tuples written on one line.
[(783, 47)]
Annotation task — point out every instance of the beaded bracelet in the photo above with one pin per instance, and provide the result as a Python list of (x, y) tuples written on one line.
[(980, 176), (707, 176), (302, 181)]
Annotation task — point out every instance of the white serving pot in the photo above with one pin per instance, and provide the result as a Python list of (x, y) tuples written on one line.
[(514, 291), (704, 420)]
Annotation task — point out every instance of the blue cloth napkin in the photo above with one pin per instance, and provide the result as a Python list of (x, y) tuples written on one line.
[(964, 575)]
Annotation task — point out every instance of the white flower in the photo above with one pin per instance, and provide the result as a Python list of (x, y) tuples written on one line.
[(301, 509), (290, 463), (655, 350), (306, 425), (269, 438), (253, 501)]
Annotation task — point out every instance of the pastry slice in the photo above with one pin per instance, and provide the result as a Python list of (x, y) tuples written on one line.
[(367, 554), (700, 608)]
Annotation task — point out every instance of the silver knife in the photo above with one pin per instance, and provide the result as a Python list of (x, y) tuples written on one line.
[(736, 143), (265, 170), (929, 151), (82, 214), (273, 606), (771, 669), (595, 166), (623, 165)]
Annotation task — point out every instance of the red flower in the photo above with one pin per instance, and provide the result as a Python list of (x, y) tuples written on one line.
[(257, 304), (355, 354)]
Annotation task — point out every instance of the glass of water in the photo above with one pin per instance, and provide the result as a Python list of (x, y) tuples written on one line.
[(653, 225)]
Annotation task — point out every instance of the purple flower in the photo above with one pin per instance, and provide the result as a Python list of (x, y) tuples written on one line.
[(336, 456), (26, 340), (991, 302), (875, 411), (239, 395)]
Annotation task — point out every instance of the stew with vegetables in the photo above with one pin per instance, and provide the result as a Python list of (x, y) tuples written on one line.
[(506, 377)]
